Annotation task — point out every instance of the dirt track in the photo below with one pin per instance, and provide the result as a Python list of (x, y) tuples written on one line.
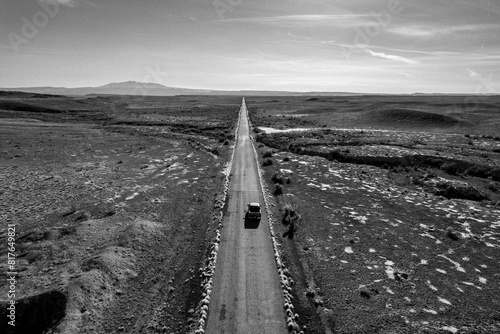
[(246, 297)]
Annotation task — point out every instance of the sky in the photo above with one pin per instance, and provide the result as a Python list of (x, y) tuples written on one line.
[(367, 46)]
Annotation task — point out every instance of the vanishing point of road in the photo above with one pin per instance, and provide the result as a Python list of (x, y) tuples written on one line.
[(246, 295)]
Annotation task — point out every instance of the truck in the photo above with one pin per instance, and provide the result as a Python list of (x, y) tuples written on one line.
[(253, 212)]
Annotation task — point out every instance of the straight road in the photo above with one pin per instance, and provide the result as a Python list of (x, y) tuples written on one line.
[(246, 295)]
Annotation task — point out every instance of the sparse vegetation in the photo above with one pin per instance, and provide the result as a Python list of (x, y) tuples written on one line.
[(451, 168), (364, 292), (277, 178), (267, 154), (278, 190), (336, 173), (267, 162), (310, 292), (84, 151), (452, 234), (290, 215)]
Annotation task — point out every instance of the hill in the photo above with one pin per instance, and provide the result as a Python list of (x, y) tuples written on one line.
[(154, 89)]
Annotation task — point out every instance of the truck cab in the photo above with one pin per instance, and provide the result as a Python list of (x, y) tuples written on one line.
[(253, 212)]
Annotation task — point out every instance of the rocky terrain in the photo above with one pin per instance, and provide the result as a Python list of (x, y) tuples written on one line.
[(114, 201), (387, 209), (396, 227)]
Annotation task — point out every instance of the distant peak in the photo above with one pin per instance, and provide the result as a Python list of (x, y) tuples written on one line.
[(133, 84)]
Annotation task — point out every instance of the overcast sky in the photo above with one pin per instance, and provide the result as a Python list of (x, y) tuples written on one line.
[(373, 46)]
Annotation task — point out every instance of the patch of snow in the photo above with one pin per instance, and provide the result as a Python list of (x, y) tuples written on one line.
[(457, 265), (389, 270), (450, 329), (444, 301), (432, 287), (131, 196), (274, 130), (389, 290)]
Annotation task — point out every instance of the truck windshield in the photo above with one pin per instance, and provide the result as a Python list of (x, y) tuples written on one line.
[(254, 209)]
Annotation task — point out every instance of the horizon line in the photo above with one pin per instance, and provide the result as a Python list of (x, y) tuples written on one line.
[(161, 86)]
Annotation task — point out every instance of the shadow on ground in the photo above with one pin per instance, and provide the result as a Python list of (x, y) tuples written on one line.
[(251, 223)]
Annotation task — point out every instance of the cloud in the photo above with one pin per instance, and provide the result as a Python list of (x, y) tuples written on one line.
[(472, 74), (67, 3), (146, 34), (344, 19), (408, 75), (414, 32), (308, 18), (5, 46), (446, 55), (486, 84), (392, 57), (421, 31)]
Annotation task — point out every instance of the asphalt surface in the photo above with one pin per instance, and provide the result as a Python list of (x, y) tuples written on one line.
[(246, 296)]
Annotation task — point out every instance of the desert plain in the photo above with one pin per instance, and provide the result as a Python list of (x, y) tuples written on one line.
[(115, 202)]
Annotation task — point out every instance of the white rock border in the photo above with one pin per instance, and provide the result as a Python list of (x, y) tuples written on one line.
[(208, 271), (291, 317)]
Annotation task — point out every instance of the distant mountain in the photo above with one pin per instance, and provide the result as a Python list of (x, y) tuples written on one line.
[(120, 88), (154, 89)]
